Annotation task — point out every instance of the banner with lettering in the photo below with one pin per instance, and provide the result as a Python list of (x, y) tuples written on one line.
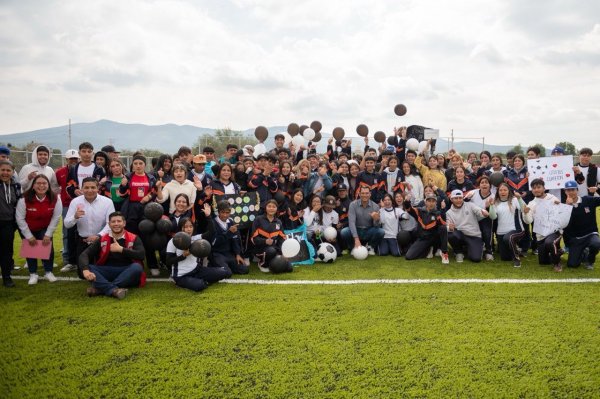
[(550, 217), (554, 171)]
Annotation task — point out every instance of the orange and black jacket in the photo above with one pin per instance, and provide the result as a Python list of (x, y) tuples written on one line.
[(517, 181), (428, 221), (266, 186), (374, 182), (73, 181), (263, 229)]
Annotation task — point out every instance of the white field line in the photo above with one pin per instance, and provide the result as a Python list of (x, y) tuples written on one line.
[(376, 281)]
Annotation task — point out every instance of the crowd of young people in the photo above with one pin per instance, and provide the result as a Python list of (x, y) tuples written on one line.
[(392, 200)]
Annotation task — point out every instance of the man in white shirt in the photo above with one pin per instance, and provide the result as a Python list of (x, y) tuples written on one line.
[(463, 227), (90, 213)]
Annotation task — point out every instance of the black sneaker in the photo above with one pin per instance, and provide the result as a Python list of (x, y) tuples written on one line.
[(517, 263), (8, 282)]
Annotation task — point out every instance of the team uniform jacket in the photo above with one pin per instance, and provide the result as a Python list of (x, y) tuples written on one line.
[(266, 186), (428, 221), (262, 229), (374, 182)]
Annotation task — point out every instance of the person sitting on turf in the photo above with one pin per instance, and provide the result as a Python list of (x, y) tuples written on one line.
[(432, 229), (581, 235), (363, 221), (549, 250), (89, 213), (227, 244), (114, 262), (463, 227), (267, 236), (188, 271)]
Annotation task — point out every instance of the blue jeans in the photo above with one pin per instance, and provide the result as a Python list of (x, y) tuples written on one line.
[(370, 235), (47, 263), (110, 277)]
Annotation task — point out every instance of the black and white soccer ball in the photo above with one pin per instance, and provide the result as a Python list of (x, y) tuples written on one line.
[(326, 253)]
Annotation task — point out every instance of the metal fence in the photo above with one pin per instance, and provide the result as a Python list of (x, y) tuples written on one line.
[(57, 160)]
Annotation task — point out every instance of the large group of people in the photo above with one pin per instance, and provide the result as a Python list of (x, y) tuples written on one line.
[(392, 200)]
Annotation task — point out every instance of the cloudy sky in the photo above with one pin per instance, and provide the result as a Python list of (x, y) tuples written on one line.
[(512, 71)]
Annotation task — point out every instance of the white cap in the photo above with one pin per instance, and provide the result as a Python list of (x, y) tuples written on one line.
[(72, 154), (456, 194)]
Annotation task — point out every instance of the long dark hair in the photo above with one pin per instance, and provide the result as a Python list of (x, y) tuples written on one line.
[(231, 169), (30, 193), (161, 162), (510, 195)]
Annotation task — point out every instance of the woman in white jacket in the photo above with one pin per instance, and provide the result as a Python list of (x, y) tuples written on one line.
[(390, 217), (179, 185), (507, 209)]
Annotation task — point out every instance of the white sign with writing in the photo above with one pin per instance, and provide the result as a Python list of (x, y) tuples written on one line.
[(431, 134), (550, 217), (554, 171)]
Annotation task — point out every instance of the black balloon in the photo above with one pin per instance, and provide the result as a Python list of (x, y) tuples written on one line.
[(146, 226), (496, 178), (157, 241), (403, 238), (182, 241), (153, 211), (280, 264), (200, 248), (164, 226)]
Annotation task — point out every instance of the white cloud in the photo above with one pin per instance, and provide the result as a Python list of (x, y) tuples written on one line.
[(518, 71)]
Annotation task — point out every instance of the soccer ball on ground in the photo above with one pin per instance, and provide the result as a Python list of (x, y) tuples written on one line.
[(326, 253)]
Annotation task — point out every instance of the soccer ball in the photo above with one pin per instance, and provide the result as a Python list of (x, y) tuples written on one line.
[(360, 253), (326, 253)]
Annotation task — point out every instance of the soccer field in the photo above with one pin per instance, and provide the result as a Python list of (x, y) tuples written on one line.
[(307, 341)]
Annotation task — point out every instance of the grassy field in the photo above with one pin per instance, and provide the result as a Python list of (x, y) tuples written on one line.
[(310, 341)]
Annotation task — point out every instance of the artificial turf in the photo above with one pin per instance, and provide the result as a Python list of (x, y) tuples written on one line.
[(309, 341), (439, 340)]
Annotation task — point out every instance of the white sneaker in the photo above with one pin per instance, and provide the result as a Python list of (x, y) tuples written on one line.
[(155, 272), (430, 254), (247, 262), (489, 257), (68, 268), (33, 279), (371, 251), (50, 277), (438, 253), (460, 258), (445, 259), (264, 269)]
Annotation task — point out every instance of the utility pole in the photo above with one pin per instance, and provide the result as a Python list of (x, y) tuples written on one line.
[(70, 146), (452, 137)]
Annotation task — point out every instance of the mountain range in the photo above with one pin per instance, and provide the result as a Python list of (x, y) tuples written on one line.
[(170, 137)]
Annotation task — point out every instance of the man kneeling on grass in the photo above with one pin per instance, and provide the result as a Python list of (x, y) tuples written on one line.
[(115, 260)]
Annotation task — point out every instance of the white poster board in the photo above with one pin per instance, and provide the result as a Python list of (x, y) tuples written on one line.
[(550, 217), (431, 134), (554, 171)]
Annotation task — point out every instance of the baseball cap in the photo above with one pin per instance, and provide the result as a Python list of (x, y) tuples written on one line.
[(329, 200), (342, 186), (200, 158), (558, 149), (431, 196), (456, 194), (4, 150), (571, 184), (109, 148), (71, 154)]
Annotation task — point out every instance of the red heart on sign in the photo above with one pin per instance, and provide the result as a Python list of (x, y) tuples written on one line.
[(558, 184), (567, 174), (554, 165)]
